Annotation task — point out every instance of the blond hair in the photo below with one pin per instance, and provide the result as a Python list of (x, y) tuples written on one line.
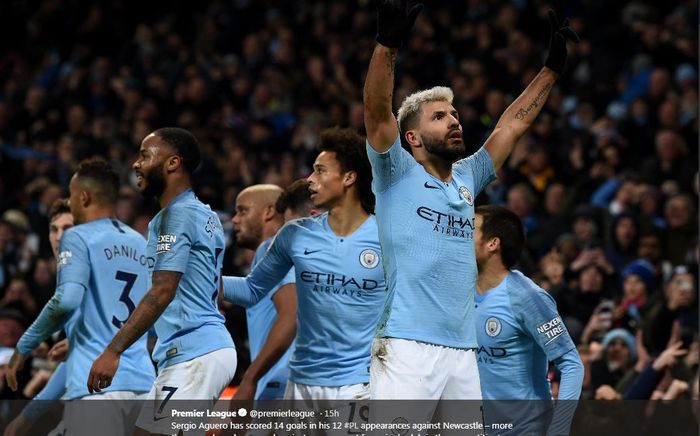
[(411, 106)]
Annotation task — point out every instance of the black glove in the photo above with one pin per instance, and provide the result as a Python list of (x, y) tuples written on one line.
[(556, 58), (395, 20)]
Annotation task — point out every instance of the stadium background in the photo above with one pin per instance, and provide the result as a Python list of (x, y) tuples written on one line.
[(607, 175)]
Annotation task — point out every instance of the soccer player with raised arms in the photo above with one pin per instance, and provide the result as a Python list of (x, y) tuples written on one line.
[(519, 332), (425, 215), (339, 275), (195, 353), (102, 272)]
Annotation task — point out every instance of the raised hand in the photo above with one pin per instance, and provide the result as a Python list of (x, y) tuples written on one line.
[(395, 19), (556, 57)]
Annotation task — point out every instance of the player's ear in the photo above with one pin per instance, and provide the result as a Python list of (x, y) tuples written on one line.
[(412, 138), (173, 163), (494, 244), (350, 178), (85, 198), (269, 212)]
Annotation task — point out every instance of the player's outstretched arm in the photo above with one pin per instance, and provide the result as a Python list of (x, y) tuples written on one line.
[(395, 20), (53, 316), (267, 274), (146, 313), (278, 341), (519, 116)]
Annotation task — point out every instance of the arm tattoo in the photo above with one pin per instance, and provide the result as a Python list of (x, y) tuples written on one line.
[(147, 312), (391, 59), (522, 112)]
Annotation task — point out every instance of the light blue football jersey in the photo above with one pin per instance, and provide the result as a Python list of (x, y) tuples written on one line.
[(340, 294), (260, 319), (187, 237), (426, 230), (519, 331), (108, 260)]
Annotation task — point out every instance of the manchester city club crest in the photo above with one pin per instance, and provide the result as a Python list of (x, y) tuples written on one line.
[(464, 192), (369, 258), (493, 326)]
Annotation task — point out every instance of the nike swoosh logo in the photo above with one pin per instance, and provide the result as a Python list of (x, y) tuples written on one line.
[(430, 186), (307, 251), (158, 419)]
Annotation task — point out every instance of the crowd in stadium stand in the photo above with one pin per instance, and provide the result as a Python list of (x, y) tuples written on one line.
[(605, 182)]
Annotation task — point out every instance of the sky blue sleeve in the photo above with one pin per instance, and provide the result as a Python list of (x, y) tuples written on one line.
[(571, 370), (175, 238), (73, 265), (481, 166), (289, 278), (54, 390), (266, 275), (537, 313), (73, 273), (53, 316), (389, 167)]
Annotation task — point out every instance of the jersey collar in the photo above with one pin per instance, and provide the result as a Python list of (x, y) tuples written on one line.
[(181, 196)]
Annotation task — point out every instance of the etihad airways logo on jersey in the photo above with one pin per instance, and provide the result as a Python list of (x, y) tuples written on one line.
[(490, 354), (339, 284), (446, 224)]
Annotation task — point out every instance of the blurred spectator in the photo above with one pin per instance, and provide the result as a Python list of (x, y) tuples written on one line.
[(17, 294), (554, 220), (670, 163), (577, 303), (651, 249), (12, 325), (649, 201), (522, 201), (638, 285), (619, 354), (682, 228), (645, 384), (586, 227), (624, 235), (678, 303)]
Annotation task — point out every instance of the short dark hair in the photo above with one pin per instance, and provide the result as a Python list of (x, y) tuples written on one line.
[(295, 197), (349, 148), (104, 180), (184, 144), (499, 222), (59, 206)]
